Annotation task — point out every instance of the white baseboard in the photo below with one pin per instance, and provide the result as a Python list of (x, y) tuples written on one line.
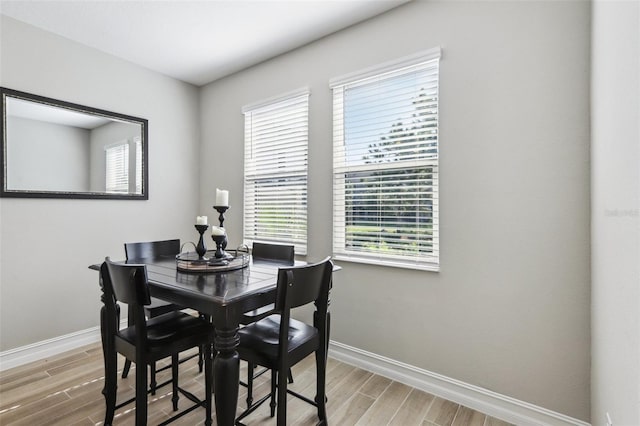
[(48, 348), (492, 403)]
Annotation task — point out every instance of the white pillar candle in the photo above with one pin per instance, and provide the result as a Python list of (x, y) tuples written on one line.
[(222, 198), (216, 230), (202, 220)]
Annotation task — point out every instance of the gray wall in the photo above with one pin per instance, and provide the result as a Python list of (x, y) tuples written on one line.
[(615, 178), (46, 289), (509, 310)]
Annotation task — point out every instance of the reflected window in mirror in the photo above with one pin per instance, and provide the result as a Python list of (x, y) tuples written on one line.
[(117, 170), (56, 149)]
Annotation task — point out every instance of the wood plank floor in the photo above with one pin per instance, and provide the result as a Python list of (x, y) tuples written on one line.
[(66, 390)]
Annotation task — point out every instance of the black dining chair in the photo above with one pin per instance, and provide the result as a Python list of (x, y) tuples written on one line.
[(278, 341), (280, 253), (272, 251), (147, 341), (140, 251)]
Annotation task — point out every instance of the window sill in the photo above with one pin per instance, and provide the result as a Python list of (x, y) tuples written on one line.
[(430, 267)]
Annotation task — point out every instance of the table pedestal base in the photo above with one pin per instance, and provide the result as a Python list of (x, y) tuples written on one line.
[(226, 373)]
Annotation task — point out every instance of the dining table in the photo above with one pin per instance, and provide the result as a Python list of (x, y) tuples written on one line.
[(223, 295)]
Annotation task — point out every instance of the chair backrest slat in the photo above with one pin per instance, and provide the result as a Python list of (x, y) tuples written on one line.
[(278, 252), (152, 249)]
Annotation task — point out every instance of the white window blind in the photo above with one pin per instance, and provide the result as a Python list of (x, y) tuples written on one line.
[(117, 167), (385, 124), (275, 171)]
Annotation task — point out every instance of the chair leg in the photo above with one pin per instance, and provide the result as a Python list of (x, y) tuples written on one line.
[(321, 367), (282, 398), (125, 370), (290, 377), (141, 394), (274, 388), (154, 384), (174, 380), (250, 368)]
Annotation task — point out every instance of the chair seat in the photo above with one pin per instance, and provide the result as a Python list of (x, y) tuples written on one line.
[(262, 338), (166, 334)]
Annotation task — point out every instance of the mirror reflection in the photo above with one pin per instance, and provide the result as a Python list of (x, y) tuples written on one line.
[(57, 149)]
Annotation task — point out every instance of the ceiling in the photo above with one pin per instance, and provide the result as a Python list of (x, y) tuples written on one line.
[(194, 41)]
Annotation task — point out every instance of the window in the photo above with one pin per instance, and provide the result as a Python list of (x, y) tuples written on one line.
[(275, 171), (117, 170), (385, 172)]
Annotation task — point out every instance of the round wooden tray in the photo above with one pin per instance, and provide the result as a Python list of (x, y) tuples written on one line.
[(189, 262)]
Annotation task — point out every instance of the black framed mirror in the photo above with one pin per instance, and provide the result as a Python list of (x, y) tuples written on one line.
[(57, 149)]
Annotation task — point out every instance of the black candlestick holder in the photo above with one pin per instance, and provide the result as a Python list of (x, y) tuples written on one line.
[(219, 240), (201, 248), (221, 210)]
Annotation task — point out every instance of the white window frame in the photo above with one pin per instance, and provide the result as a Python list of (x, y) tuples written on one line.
[(385, 246), (275, 170)]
